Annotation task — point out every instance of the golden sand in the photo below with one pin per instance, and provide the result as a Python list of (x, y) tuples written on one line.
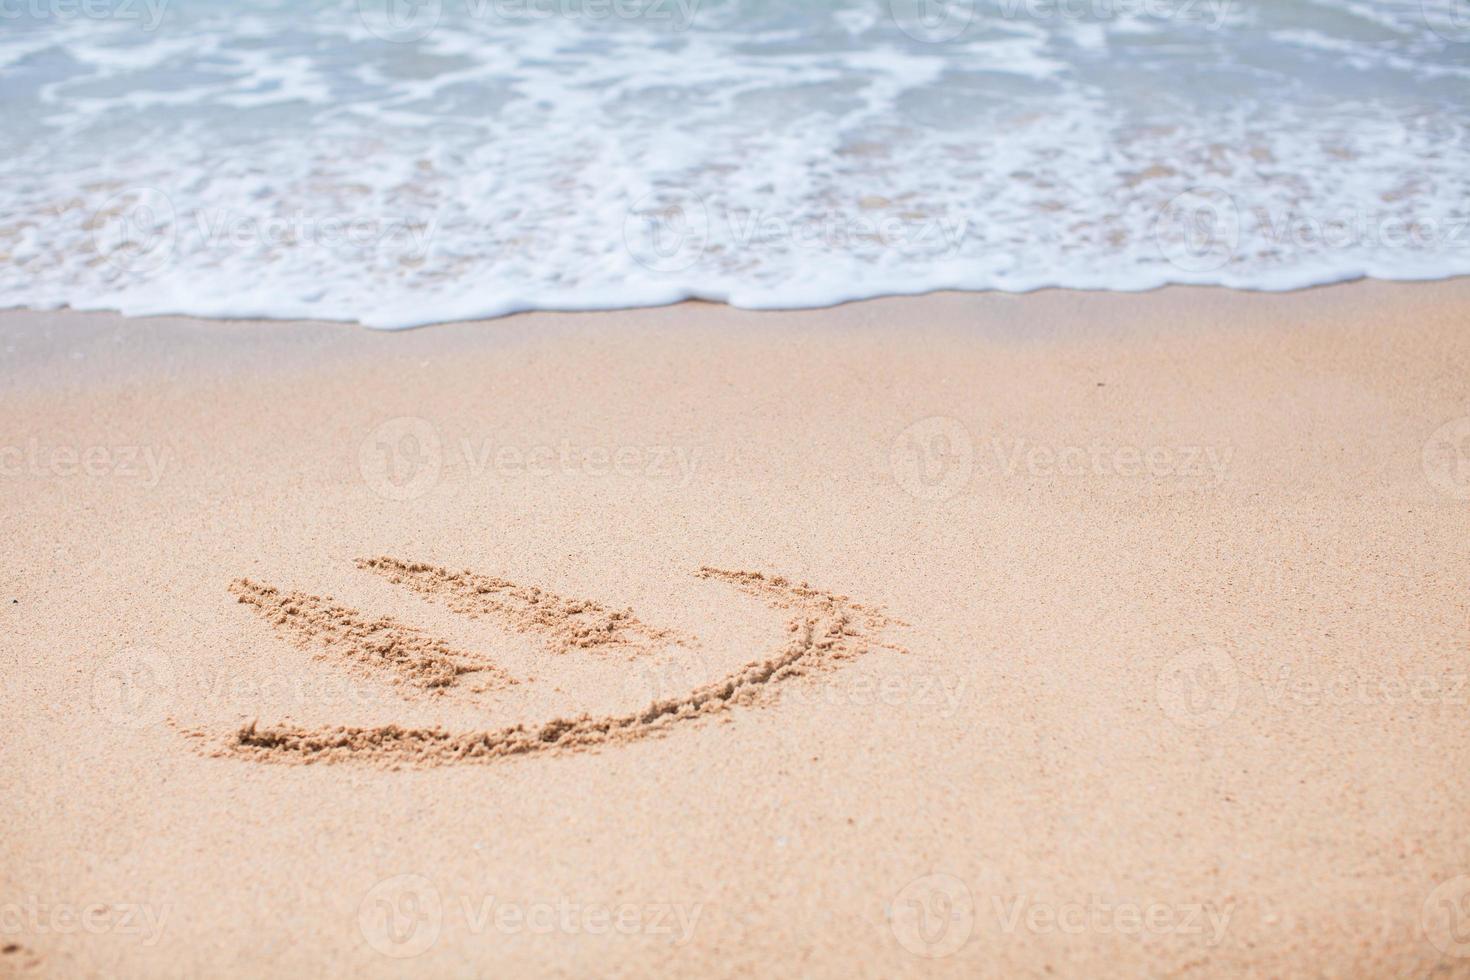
[(1135, 641)]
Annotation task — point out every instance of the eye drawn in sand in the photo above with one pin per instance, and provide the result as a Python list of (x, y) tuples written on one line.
[(824, 630)]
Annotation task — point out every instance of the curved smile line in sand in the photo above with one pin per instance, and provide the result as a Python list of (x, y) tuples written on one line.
[(824, 630)]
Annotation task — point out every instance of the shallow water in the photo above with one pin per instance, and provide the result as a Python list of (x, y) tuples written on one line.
[(400, 162)]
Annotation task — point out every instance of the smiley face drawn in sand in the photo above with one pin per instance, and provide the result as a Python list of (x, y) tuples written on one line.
[(824, 629)]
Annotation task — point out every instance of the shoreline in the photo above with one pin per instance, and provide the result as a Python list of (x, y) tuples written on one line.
[(1169, 674), (1163, 287)]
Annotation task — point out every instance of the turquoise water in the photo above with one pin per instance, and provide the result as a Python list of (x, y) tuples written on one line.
[(400, 163)]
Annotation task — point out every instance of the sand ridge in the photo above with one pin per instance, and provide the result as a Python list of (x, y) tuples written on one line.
[(826, 628), (376, 646), (567, 624)]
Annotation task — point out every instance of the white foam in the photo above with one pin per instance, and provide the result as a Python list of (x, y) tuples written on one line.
[(254, 160)]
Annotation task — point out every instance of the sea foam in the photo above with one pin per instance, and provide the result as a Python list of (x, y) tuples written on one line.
[(411, 162)]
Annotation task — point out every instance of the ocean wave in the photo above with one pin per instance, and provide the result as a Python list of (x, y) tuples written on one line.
[(405, 163)]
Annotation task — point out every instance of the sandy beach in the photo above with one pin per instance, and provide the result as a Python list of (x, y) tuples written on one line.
[(1064, 634)]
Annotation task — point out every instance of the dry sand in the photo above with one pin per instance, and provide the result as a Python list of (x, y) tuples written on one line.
[(968, 635)]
